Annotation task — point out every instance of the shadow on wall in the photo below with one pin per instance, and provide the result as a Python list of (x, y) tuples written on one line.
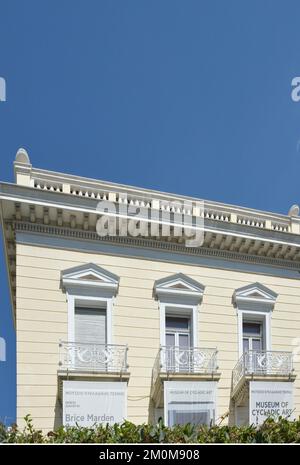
[(231, 416), (233, 409), (57, 414), (151, 413)]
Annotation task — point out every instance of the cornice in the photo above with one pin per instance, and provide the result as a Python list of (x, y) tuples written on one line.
[(53, 204), (147, 243), (25, 197)]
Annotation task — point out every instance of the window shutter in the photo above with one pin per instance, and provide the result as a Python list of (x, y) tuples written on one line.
[(90, 326)]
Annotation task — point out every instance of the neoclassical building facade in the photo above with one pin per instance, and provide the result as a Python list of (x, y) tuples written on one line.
[(140, 325)]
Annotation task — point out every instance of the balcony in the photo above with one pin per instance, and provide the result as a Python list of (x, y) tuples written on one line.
[(181, 362), (177, 363), (101, 359), (258, 365)]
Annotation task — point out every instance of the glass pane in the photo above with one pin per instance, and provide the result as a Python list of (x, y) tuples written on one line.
[(245, 344), (177, 323), (183, 340), (252, 328), (256, 344), (170, 352), (170, 340), (184, 354)]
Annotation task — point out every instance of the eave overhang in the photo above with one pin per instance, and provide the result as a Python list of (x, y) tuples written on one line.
[(44, 202), (21, 203)]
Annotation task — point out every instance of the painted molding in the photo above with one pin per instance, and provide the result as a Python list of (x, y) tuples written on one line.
[(254, 295), (90, 278), (64, 238), (178, 287)]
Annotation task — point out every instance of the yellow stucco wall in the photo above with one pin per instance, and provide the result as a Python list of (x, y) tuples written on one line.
[(42, 321)]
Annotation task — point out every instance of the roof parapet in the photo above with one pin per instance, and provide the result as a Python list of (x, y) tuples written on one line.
[(78, 186), (22, 168)]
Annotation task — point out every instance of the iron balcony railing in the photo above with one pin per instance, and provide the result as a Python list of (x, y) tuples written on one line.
[(263, 362), (100, 358), (191, 360)]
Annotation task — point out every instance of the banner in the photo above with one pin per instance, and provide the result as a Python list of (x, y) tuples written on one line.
[(190, 402), (270, 399), (87, 403)]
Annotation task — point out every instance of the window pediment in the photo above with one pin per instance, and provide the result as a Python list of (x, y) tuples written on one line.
[(178, 285), (254, 294), (89, 277)]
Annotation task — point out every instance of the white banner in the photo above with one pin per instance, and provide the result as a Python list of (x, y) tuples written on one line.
[(87, 403), (270, 399), (190, 402)]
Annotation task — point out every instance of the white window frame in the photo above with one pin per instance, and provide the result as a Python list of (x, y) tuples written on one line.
[(257, 336), (178, 295), (89, 302), (173, 309), (177, 332), (263, 317), (99, 292), (255, 302)]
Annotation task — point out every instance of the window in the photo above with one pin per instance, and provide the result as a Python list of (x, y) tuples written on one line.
[(178, 331), (179, 297), (254, 305), (90, 325), (252, 337), (90, 338), (178, 343), (90, 294)]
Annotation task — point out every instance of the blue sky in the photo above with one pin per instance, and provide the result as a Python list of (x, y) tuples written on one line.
[(192, 97)]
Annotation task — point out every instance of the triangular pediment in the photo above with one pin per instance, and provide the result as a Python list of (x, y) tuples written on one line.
[(178, 284), (89, 275), (255, 292), (93, 277)]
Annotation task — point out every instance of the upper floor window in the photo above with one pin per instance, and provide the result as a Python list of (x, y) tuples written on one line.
[(254, 304), (90, 292), (252, 336), (178, 331), (90, 325), (179, 297), (178, 343)]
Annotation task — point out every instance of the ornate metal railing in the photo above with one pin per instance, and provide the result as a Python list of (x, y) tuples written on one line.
[(185, 360), (264, 362), (100, 358)]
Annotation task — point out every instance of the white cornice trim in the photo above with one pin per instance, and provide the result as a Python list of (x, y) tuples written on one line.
[(149, 243), (206, 229), (93, 211)]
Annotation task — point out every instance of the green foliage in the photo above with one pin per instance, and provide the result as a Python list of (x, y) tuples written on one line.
[(281, 431)]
